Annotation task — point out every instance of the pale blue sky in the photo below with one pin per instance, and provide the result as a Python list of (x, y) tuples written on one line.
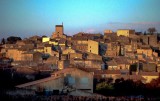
[(38, 17)]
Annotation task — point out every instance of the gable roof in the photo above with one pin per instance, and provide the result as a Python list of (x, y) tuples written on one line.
[(121, 60), (62, 41), (53, 77), (112, 63), (37, 81), (107, 72)]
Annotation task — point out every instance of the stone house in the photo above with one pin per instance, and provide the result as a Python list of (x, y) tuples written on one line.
[(118, 63), (93, 47), (69, 79), (145, 51), (97, 64), (68, 51), (31, 56)]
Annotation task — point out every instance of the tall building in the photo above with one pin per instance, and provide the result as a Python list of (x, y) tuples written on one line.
[(59, 32)]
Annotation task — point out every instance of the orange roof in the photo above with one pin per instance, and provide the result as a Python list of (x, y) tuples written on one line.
[(67, 70), (132, 77), (149, 73), (107, 72)]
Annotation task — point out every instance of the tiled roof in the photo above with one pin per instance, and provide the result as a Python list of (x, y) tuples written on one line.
[(69, 42), (121, 60), (68, 69), (107, 72), (132, 77), (80, 38), (97, 76), (25, 70), (62, 41), (54, 40), (149, 73), (48, 45), (43, 68), (112, 63), (37, 82), (39, 48)]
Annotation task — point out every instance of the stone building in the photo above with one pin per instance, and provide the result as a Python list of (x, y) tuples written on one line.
[(93, 47), (107, 32), (149, 40), (69, 79), (125, 32), (59, 33)]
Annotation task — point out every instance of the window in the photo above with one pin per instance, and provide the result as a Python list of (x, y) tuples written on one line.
[(123, 73), (71, 80), (68, 75), (84, 80), (103, 76)]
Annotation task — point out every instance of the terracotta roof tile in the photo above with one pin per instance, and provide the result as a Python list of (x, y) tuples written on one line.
[(149, 73)]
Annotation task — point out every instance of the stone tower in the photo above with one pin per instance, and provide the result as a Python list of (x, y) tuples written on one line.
[(59, 32)]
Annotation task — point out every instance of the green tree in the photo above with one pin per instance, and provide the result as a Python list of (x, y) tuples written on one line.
[(103, 86), (45, 56)]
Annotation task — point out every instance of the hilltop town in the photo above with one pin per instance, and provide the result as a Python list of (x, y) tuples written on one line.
[(72, 63)]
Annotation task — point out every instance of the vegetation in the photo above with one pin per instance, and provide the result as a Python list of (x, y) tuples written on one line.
[(104, 85), (3, 41), (102, 49), (13, 39), (128, 87), (152, 30), (10, 78), (45, 56)]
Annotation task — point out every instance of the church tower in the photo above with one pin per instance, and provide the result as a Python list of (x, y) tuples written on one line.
[(59, 32), (59, 29)]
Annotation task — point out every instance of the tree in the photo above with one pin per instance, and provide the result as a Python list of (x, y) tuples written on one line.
[(152, 30), (84, 56), (45, 56), (44, 36), (104, 86), (3, 41), (13, 39)]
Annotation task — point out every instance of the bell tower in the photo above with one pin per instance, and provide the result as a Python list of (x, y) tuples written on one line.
[(59, 32), (59, 29)]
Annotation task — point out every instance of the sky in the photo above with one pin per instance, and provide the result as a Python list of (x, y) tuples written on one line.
[(26, 18)]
